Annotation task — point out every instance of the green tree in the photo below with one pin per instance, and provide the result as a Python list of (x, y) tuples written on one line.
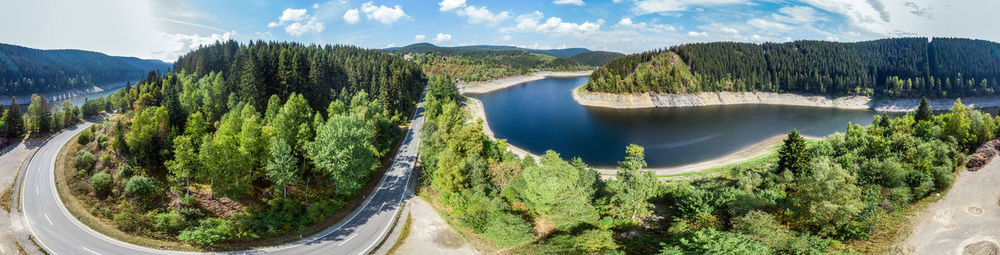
[(148, 137), (282, 168), (508, 230), (957, 124), (824, 199), (553, 190), (101, 183), (924, 112), (15, 122), (38, 114), (343, 151), (632, 188), (186, 163), (793, 155)]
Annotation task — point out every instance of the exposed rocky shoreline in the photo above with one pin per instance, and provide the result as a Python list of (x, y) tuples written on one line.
[(498, 84), (650, 100)]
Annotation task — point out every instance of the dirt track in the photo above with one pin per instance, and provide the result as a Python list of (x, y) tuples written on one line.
[(965, 217)]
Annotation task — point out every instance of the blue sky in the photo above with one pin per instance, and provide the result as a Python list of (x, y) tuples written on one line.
[(165, 29)]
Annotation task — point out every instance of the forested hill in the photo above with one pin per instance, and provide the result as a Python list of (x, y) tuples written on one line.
[(469, 64), (897, 67), (259, 69), (26, 70), (596, 58)]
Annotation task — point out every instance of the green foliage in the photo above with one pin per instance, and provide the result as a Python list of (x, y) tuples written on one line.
[(148, 137), (101, 183), (208, 232), (506, 229), (596, 58), (711, 241), (39, 117), (632, 188), (282, 168), (554, 189), (141, 186), (924, 112), (85, 137), (170, 222), (84, 160), (792, 156), (13, 122), (343, 151)]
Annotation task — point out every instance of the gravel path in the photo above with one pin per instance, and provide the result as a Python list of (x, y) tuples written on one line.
[(961, 221), (429, 234)]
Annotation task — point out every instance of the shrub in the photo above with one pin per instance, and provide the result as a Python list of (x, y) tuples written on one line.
[(84, 160), (208, 232), (85, 138), (125, 171), (188, 200), (128, 221), (507, 229), (101, 183), (140, 186), (102, 141), (170, 222)]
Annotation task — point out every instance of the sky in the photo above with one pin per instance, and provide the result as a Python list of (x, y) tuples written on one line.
[(166, 29)]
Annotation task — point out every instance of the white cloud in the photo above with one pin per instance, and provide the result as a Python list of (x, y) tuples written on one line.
[(652, 6), (506, 38), (768, 25), (297, 27), (180, 44), (383, 13), (481, 14), (289, 15), (555, 25), (698, 34), (796, 14), (627, 22), (315, 5), (573, 2), (447, 5), (419, 38), (860, 13), (352, 16), (729, 30), (440, 38)]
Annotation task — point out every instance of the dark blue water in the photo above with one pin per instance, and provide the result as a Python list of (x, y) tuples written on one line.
[(542, 115)]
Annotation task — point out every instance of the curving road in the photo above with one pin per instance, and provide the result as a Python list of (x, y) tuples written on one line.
[(58, 232)]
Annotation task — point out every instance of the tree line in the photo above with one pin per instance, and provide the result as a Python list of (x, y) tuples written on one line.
[(897, 67), (43, 118), (470, 65), (192, 157), (26, 70)]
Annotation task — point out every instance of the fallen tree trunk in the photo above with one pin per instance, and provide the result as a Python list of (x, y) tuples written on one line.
[(983, 155)]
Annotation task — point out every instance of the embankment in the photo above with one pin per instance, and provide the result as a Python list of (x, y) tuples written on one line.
[(650, 100), (498, 84)]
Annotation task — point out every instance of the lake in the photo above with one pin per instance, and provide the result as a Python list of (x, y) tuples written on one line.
[(542, 115)]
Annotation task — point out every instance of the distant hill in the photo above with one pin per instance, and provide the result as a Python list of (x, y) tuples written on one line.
[(25, 70), (427, 47), (596, 58)]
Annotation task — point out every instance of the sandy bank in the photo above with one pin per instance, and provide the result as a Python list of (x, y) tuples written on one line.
[(498, 84), (650, 100)]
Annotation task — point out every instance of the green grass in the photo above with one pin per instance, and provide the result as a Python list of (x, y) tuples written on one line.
[(761, 161)]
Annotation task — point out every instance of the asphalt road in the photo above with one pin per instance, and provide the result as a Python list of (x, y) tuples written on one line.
[(58, 232)]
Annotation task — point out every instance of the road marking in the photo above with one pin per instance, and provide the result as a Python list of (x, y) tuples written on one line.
[(348, 239), (36, 190), (91, 251), (48, 219)]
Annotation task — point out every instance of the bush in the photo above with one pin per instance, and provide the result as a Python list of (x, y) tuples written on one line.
[(188, 200), (125, 171), (84, 160), (208, 232), (170, 222), (140, 186), (85, 137), (507, 229), (128, 221), (102, 141), (101, 183)]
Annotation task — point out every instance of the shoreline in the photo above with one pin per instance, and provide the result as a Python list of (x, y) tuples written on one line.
[(483, 87), (653, 100)]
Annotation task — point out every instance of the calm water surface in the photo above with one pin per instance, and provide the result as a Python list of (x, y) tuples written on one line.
[(542, 115)]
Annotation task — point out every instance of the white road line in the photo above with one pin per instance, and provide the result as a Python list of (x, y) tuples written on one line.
[(348, 239), (48, 219), (36, 190), (91, 251)]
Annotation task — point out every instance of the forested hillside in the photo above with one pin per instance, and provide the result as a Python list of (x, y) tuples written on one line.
[(244, 141), (898, 67), (596, 58), (26, 70), (483, 64)]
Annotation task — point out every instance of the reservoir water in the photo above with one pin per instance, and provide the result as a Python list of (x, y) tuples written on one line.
[(542, 115)]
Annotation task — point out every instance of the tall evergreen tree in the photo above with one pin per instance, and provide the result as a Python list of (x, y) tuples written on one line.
[(924, 112), (15, 122), (793, 155)]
